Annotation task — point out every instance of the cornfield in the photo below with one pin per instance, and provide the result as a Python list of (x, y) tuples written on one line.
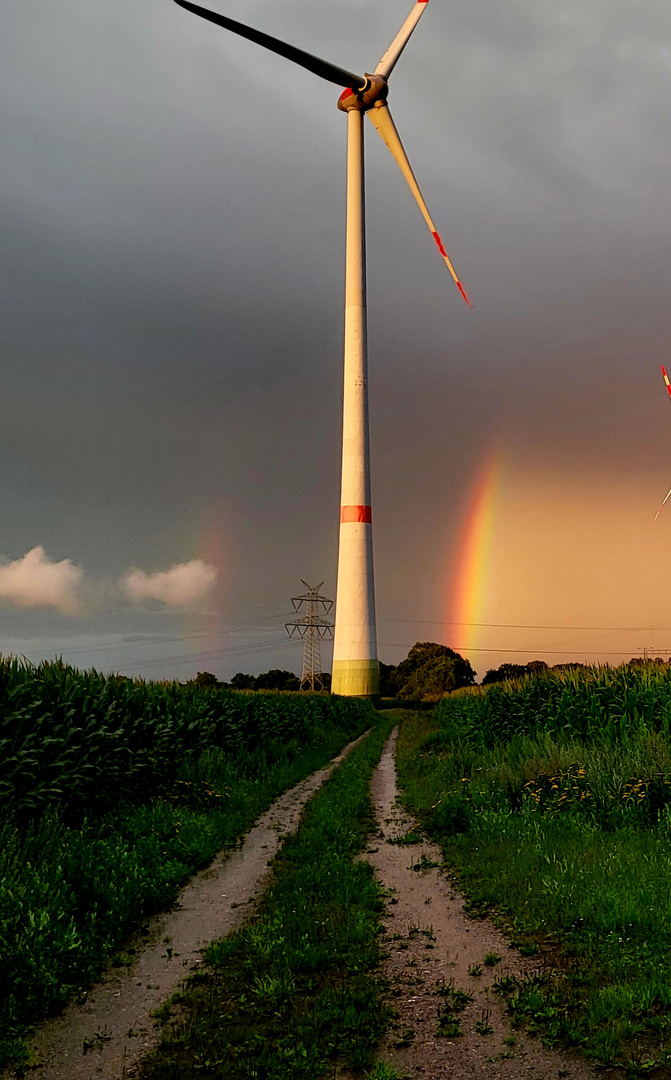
[(589, 704), (113, 792), (81, 741)]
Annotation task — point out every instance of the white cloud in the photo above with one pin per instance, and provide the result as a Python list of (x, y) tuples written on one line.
[(183, 585), (35, 581)]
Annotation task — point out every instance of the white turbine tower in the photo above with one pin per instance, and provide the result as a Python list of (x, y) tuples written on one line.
[(355, 661)]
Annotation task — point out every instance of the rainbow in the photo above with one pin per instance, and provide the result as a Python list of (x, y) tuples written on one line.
[(471, 575)]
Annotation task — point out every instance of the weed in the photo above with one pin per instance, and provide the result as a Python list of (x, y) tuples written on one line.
[(411, 837), (475, 970), (425, 863), (97, 1042), (124, 959), (492, 958), (455, 1000), (417, 931), (639, 1066), (448, 1024), (483, 1025), (384, 1072)]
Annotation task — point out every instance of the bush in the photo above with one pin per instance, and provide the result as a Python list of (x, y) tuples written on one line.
[(453, 814)]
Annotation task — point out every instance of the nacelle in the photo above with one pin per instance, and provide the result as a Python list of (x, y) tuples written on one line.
[(374, 89)]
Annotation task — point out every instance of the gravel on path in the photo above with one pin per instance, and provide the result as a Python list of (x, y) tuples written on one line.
[(103, 1037), (430, 945)]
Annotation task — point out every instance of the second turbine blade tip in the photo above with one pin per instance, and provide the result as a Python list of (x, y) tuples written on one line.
[(463, 293), (441, 248)]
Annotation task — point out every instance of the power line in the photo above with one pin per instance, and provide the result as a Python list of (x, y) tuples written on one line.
[(159, 638), (522, 626), (536, 652), (233, 628), (268, 646)]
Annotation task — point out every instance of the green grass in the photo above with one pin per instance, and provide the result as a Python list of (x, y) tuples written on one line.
[(565, 837), (70, 891), (295, 990), (384, 1072)]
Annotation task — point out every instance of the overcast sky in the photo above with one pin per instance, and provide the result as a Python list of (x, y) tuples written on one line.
[(172, 203)]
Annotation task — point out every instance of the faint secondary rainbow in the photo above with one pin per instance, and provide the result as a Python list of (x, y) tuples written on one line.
[(472, 574)]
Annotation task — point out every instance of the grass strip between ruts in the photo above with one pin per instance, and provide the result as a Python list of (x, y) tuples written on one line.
[(69, 895), (592, 903), (296, 989)]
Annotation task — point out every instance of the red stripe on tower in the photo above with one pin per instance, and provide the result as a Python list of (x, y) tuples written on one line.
[(356, 513)]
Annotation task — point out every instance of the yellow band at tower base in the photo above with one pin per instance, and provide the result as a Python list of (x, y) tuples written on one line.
[(356, 678)]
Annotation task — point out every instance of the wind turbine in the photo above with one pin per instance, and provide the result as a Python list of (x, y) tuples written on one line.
[(355, 661)]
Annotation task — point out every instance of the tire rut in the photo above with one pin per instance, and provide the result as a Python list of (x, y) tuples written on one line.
[(104, 1036), (430, 945)]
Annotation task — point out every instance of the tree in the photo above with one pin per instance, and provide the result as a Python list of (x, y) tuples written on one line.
[(276, 679), (431, 670), (242, 682), (537, 667), (388, 681), (506, 671), (205, 680)]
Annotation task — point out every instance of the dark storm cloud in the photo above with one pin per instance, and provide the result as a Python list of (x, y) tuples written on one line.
[(172, 205)]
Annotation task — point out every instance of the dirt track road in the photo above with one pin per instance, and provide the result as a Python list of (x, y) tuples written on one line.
[(114, 1023), (423, 903)]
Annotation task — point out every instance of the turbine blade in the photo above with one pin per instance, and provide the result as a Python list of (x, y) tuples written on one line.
[(666, 380), (664, 501), (318, 67), (381, 118), (388, 61)]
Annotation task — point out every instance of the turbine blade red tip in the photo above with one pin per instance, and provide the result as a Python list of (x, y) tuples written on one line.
[(663, 371), (439, 242), (463, 293)]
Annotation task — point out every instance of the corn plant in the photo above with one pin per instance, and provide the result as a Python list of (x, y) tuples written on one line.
[(82, 740)]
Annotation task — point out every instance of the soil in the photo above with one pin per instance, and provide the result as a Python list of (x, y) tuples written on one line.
[(430, 944), (103, 1036)]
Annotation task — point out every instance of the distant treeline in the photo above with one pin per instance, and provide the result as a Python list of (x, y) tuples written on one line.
[(536, 667), (275, 679), (429, 671)]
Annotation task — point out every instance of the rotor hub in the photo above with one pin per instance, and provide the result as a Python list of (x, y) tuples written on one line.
[(366, 97)]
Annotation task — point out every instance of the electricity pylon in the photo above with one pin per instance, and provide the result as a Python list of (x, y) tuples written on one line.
[(313, 627)]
